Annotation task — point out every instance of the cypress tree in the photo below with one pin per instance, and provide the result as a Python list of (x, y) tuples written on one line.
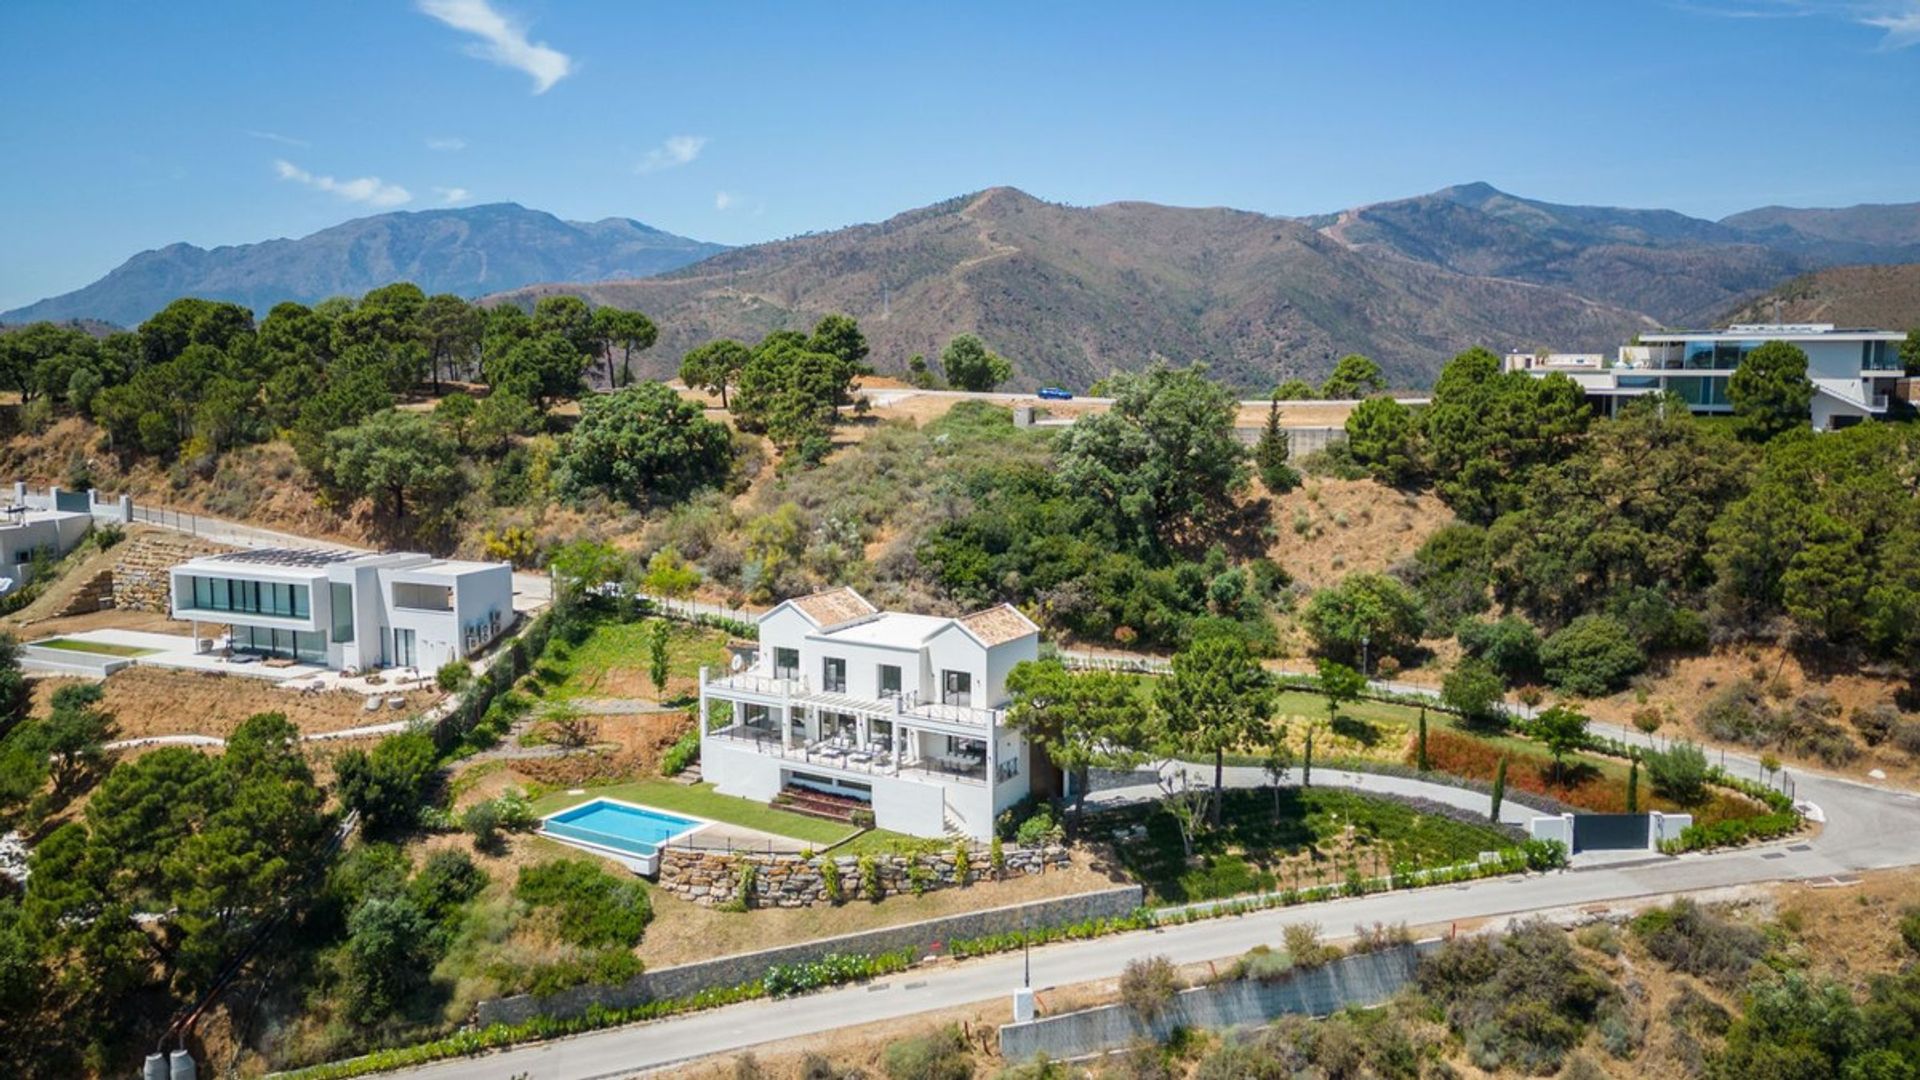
[(1271, 454), (1306, 762), (1633, 786), (1499, 789), (1423, 739)]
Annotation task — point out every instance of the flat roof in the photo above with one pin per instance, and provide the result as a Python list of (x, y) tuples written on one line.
[(1778, 332), (897, 628), (296, 558)]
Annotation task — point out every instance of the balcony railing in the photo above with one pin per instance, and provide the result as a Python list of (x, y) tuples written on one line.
[(823, 755), (905, 705)]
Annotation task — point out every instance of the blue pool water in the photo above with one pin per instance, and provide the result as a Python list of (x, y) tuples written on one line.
[(634, 829)]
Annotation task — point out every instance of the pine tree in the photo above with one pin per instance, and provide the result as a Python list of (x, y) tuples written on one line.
[(1499, 789), (1270, 454), (657, 655)]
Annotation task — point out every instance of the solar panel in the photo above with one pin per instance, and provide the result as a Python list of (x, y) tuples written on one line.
[(303, 557)]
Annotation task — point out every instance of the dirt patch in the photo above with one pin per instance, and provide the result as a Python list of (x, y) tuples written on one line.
[(1329, 528), (623, 746), (1683, 686), (113, 619), (150, 701)]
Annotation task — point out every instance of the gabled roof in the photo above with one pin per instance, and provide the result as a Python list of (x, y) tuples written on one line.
[(997, 625), (833, 606)]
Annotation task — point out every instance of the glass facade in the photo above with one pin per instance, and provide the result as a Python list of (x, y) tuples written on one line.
[(1880, 356), (341, 607), (276, 598), (1700, 390), (1717, 355), (268, 641)]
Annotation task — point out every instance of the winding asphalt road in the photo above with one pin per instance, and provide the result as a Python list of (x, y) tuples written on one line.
[(1867, 827)]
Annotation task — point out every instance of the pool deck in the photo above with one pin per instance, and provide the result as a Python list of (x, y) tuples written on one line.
[(705, 835)]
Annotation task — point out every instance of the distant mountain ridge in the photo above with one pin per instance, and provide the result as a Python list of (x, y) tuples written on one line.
[(1071, 293), (1886, 297), (468, 251)]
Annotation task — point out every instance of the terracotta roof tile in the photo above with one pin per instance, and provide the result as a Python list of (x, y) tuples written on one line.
[(834, 606), (1000, 624)]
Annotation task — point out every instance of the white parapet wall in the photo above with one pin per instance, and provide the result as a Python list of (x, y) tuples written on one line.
[(1667, 827), (1558, 827)]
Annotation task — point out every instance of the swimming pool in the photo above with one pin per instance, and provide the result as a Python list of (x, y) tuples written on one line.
[(624, 827)]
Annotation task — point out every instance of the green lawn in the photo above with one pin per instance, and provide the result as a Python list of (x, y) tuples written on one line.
[(610, 660), (701, 800), (1306, 843), (97, 647)]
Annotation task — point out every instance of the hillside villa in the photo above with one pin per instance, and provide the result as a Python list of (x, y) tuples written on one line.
[(1854, 371), (346, 610), (843, 707)]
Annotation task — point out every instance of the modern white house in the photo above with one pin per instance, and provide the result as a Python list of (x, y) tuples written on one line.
[(898, 712), (1854, 371), (347, 610), (24, 532)]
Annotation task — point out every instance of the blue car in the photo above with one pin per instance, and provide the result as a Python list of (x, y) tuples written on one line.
[(1054, 393)]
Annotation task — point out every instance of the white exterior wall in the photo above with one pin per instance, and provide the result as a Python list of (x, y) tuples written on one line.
[(863, 665), (479, 595), (784, 628), (953, 649), (318, 598), (60, 531)]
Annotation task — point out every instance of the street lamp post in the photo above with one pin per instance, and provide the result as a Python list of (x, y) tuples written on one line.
[(1366, 639)]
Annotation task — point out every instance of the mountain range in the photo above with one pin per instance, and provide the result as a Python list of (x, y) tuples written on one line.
[(1070, 293), (469, 251)]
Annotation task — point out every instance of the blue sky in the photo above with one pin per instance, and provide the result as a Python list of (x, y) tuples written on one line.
[(129, 126)]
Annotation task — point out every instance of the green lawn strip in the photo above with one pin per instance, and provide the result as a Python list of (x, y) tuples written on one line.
[(700, 800), (569, 670), (99, 647), (1235, 859)]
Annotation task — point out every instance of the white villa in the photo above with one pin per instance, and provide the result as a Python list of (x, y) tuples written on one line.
[(23, 532), (843, 704), (1854, 372), (347, 610)]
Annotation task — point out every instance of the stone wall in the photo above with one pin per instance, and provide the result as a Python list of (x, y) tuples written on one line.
[(713, 877), (143, 560), (1354, 980), (741, 968)]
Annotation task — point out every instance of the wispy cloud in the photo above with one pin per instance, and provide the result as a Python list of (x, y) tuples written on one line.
[(1898, 19), (724, 200), (678, 150), (276, 137), (453, 196), (446, 144), (365, 189), (501, 41)]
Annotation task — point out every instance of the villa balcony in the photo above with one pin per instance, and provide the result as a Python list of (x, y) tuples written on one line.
[(798, 692), (878, 758)]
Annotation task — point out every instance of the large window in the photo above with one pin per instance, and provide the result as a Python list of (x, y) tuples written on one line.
[(786, 663), (271, 641), (341, 602), (956, 688), (833, 675), (889, 679), (276, 598), (408, 594)]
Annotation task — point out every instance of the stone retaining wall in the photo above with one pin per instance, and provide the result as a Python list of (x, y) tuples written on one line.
[(790, 881), (736, 970), (1353, 980), (141, 579)]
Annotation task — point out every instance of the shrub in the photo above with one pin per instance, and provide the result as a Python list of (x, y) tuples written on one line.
[(1380, 609), (940, 1054), (684, 752), (1474, 690), (1304, 947), (1261, 964), (1522, 1001), (1510, 644), (1876, 723), (591, 906), (1679, 772), (1040, 827), (482, 819), (830, 879), (1687, 937), (454, 675), (870, 878), (785, 980), (1147, 985), (1591, 656), (1910, 928)]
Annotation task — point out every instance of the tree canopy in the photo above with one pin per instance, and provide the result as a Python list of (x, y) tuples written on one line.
[(1770, 390), (643, 445), (1354, 376), (970, 365), (1487, 430)]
